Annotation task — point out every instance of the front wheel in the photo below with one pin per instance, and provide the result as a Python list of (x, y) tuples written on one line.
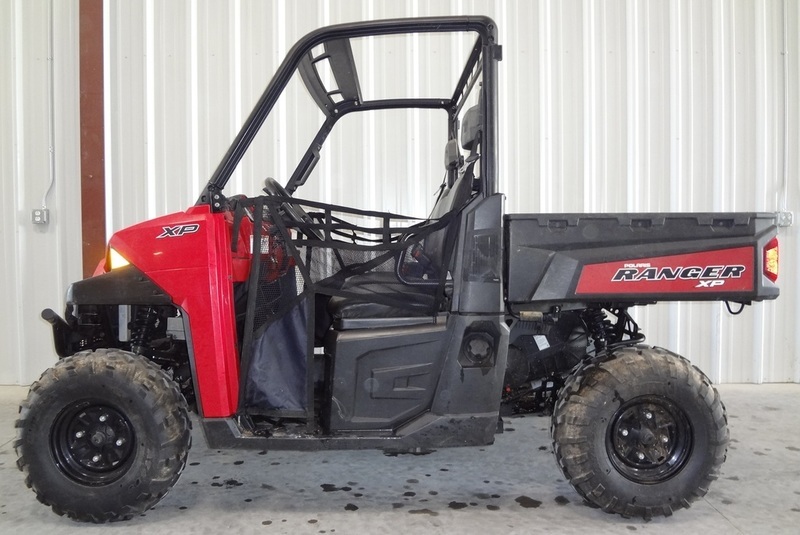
[(102, 436), (641, 433)]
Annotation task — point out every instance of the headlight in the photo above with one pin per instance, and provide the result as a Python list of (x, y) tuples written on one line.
[(116, 260)]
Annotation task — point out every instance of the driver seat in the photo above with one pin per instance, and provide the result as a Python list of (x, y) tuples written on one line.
[(418, 301)]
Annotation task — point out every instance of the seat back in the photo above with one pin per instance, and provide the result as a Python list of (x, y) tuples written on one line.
[(457, 189)]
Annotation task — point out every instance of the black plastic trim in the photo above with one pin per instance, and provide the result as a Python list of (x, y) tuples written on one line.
[(433, 431), (123, 286)]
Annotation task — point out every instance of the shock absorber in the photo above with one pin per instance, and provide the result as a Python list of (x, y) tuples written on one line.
[(599, 327), (144, 323)]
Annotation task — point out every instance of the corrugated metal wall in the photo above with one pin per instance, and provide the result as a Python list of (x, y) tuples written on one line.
[(37, 262), (620, 105)]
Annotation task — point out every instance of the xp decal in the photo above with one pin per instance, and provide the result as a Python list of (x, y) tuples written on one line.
[(724, 270), (178, 230)]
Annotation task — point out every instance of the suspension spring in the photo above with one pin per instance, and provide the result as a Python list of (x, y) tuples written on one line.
[(142, 327), (599, 326)]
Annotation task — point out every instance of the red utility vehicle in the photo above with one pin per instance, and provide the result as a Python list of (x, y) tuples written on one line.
[(294, 324)]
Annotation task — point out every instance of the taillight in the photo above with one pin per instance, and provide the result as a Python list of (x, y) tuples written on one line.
[(771, 260)]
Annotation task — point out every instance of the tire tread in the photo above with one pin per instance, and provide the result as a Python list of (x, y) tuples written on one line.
[(571, 438), (155, 388)]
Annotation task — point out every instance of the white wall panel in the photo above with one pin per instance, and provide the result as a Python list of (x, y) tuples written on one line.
[(37, 262), (620, 105)]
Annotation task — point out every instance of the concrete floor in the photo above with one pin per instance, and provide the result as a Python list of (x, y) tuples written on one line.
[(513, 486)]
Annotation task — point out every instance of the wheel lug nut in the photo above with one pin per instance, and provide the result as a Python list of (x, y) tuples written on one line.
[(648, 415), (96, 459), (80, 434), (103, 417), (641, 456), (624, 432), (664, 439), (120, 441)]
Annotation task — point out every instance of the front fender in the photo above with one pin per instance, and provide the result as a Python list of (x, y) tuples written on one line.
[(123, 286), (92, 303)]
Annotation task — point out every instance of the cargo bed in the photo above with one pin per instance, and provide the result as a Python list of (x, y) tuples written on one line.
[(638, 258)]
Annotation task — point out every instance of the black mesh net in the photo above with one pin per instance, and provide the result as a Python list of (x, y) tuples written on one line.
[(337, 250), (303, 249)]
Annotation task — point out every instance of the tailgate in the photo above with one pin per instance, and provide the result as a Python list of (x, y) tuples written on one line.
[(636, 258)]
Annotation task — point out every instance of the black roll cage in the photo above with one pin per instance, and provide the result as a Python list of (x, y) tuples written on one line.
[(347, 97)]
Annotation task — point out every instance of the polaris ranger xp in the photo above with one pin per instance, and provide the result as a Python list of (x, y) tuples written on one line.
[(289, 323)]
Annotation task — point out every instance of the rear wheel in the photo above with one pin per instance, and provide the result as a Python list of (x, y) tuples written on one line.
[(640, 434), (103, 436)]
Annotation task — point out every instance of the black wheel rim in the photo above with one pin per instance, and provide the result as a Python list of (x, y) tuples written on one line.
[(649, 439), (92, 442)]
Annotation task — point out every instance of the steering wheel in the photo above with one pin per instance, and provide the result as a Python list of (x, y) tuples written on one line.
[(294, 212)]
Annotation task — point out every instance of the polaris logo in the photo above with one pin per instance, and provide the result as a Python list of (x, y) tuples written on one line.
[(178, 230), (708, 276)]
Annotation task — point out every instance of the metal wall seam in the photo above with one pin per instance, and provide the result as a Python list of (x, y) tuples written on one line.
[(150, 106), (763, 171), (677, 106), (546, 177), (108, 147), (590, 97), (237, 115), (62, 255), (194, 156), (633, 50), (791, 11)]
